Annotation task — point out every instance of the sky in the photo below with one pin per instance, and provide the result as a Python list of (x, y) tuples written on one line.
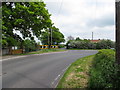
[(79, 18)]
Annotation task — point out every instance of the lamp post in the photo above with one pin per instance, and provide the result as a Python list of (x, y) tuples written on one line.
[(117, 5)]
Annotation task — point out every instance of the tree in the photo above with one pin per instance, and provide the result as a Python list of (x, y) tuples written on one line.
[(57, 36), (27, 17), (70, 38), (77, 39), (29, 45)]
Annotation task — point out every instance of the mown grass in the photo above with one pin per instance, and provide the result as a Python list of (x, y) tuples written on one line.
[(42, 51), (77, 75)]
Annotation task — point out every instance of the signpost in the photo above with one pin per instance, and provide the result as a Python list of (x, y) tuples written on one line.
[(117, 5)]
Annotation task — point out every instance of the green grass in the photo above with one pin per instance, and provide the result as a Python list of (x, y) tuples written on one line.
[(96, 71), (43, 51), (77, 75)]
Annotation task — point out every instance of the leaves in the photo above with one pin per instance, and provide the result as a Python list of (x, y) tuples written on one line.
[(27, 17), (57, 36)]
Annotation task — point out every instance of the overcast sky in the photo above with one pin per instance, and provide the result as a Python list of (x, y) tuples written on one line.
[(79, 18)]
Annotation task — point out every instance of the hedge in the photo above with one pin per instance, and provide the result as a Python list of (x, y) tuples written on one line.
[(105, 72)]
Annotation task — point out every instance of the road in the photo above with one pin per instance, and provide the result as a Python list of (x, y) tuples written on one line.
[(39, 71)]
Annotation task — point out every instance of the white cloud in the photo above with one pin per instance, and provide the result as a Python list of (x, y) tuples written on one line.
[(81, 17)]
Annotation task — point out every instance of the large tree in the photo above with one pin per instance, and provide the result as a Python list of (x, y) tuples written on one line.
[(29, 18), (57, 36)]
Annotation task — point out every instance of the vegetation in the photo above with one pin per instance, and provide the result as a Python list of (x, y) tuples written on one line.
[(87, 44), (43, 51), (30, 45), (23, 21), (77, 75), (105, 72), (96, 71), (57, 36)]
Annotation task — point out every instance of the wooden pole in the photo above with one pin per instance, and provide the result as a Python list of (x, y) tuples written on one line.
[(117, 5), (92, 35)]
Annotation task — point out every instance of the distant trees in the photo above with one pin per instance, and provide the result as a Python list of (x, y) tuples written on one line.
[(87, 44), (70, 38)]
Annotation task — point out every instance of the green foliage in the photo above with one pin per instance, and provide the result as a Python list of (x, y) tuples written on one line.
[(76, 76), (80, 44), (87, 44), (104, 73), (27, 17), (57, 36), (61, 46), (78, 39), (105, 44), (29, 45)]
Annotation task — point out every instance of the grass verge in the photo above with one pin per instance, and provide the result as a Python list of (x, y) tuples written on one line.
[(43, 51), (96, 71), (77, 75)]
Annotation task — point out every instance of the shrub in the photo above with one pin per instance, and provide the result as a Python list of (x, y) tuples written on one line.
[(87, 44), (104, 73)]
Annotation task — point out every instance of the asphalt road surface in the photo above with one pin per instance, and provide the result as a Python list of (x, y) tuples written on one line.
[(39, 71)]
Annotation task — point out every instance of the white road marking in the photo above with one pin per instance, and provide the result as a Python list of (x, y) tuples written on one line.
[(66, 68), (30, 55), (59, 76)]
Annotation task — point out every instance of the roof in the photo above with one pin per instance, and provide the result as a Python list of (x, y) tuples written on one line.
[(95, 40)]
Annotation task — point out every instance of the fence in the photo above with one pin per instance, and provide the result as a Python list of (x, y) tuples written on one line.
[(18, 51), (5, 51)]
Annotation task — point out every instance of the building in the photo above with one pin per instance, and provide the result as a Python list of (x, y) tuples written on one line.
[(95, 41)]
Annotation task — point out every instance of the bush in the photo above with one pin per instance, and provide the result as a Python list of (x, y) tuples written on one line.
[(104, 73), (30, 45), (105, 44), (87, 44)]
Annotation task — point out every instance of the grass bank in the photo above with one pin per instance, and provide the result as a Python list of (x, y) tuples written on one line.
[(96, 71), (77, 75)]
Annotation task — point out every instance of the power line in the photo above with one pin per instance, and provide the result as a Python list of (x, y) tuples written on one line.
[(60, 7)]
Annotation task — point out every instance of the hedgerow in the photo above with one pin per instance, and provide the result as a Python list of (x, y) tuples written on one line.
[(105, 72)]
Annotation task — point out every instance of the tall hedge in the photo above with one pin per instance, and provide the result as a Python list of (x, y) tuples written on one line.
[(105, 72)]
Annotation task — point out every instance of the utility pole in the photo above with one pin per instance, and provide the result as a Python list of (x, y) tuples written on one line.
[(51, 36), (92, 35), (117, 5), (48, 39)]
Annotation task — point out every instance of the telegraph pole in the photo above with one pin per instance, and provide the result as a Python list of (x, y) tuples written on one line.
[(92, 35), (117, 5), (48, 39), (51, 36)]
